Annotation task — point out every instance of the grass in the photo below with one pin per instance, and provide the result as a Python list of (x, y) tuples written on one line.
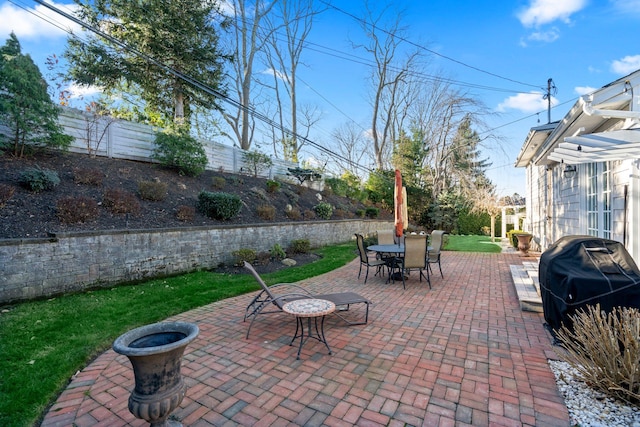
[(43, 343), (471, 244)]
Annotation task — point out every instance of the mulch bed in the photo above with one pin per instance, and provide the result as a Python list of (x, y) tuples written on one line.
[(28, 214), (270, 265)]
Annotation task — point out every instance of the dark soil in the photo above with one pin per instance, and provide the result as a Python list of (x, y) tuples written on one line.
[(268, 265), (27, 214)]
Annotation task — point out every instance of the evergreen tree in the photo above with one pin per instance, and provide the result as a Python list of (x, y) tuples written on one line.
[(465, 163), (181, 34), (409, 156), (25, 106)]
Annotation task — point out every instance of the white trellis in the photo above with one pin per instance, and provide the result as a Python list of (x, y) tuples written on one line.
[(511, 219)]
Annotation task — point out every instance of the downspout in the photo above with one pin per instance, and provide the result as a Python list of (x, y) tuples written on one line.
[(626, 205), (547, 205)]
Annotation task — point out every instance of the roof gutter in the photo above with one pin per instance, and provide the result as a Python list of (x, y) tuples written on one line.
[(609, 114), (627, 93)]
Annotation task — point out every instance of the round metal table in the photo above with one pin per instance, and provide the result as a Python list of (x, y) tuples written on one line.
[(310, 308)]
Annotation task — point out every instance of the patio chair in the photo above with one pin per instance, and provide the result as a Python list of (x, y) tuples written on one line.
[(433, 257), (386, 237), (267, 299), (415, 257), (365, 260)]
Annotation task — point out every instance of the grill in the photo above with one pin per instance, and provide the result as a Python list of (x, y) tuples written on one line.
[(584, 270)]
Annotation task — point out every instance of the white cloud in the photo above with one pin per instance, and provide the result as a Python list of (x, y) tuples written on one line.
[(627, 7), (81, 92), (542, 12), (548, 36), (583, 90), (271, 72), (36, 23), (626, 65), (531, 102)]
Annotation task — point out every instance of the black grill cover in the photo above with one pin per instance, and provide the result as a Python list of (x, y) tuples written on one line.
[(584, 270)]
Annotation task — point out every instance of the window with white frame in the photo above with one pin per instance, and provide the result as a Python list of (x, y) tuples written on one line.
[(598, 190)]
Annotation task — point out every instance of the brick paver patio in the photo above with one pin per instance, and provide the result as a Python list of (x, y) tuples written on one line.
[(462, 353)]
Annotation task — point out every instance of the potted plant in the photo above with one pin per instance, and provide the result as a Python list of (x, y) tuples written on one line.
[(155, 352)]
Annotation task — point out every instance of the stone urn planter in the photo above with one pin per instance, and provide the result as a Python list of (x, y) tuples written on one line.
[(155, 352), (524, 242)]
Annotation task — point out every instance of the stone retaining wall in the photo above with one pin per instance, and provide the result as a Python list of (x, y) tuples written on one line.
[(71, 262)]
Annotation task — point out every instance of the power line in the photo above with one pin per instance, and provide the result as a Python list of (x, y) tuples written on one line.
[(426, 49), (196, 83), (43, 17), (223, 97), (335, 53)]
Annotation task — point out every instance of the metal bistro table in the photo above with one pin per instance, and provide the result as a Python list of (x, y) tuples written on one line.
[(309, 308)]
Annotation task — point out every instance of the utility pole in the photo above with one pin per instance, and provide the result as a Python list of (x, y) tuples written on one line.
[(551, 87)]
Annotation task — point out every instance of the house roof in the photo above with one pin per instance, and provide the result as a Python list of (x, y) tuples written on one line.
[(591, 129), (537, 135)]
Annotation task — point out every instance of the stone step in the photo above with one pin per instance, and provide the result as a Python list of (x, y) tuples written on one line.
[(525, 280), (532, 270)]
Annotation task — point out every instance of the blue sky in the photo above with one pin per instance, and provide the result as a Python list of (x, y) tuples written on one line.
[(502, 52)]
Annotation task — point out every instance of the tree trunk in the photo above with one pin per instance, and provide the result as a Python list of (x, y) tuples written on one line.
[(178, 115), (493, 228)]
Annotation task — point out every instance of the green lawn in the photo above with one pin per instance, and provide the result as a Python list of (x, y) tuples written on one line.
[(43, 343), (472, 244)]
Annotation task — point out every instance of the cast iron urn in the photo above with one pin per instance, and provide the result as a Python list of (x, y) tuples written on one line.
[(155, 352)]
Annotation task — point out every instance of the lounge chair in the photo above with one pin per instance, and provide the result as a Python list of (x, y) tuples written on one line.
[(268, 298)]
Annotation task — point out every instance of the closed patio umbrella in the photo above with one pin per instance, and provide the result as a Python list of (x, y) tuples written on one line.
[(399, 200)]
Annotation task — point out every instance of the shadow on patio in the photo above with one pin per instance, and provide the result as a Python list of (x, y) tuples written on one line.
[(462, 353)]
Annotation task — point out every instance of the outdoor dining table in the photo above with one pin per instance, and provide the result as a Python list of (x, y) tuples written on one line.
[(393, 252), (397, 250), (390, 249), (387, 249)]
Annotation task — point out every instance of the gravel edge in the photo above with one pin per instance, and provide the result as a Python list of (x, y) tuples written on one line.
[(588, 407)]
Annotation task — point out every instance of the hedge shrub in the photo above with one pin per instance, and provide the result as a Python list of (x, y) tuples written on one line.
[(323, 210), (88, 176), (266, 212), (300, 246), (37, 180), (72, 210), (372, 212), (272, 186), (222, 206), (152, 190), (120, 201), (179, 150), (241, 255)]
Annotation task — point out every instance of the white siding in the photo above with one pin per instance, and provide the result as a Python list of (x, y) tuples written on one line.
[(567, 215)]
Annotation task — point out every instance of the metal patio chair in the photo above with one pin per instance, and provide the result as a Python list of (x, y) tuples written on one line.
[(433, 257), (365, 260), (415, 257)]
